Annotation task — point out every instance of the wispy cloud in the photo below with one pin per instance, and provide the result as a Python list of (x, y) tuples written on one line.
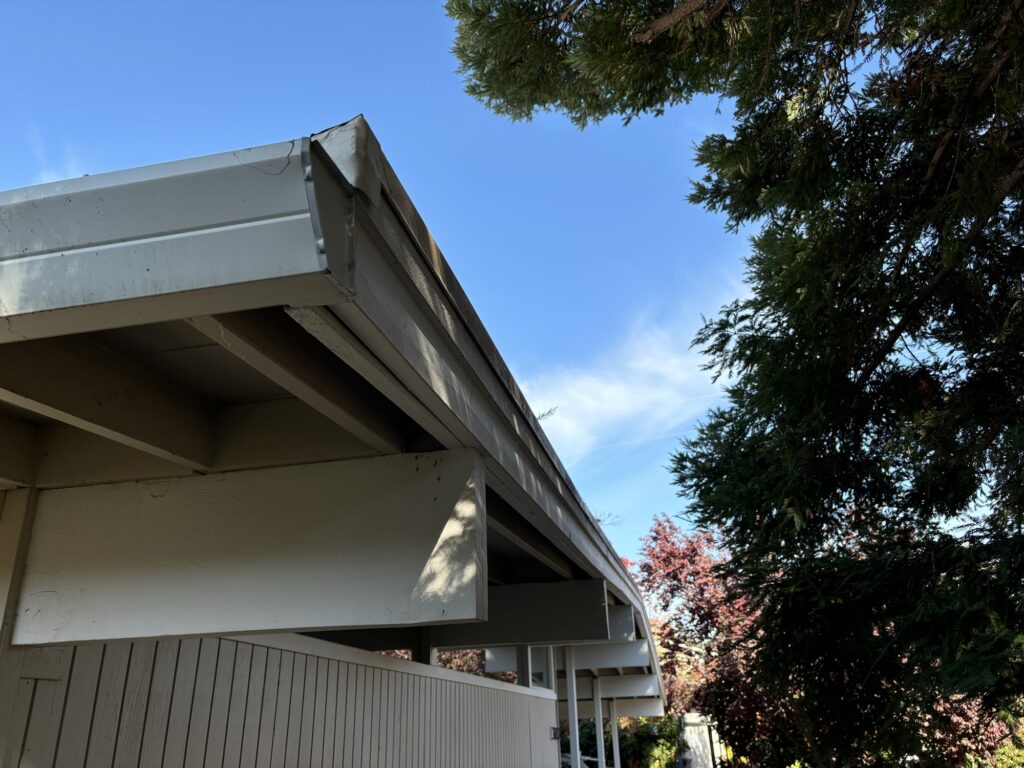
[(52, 165), (646, 387)]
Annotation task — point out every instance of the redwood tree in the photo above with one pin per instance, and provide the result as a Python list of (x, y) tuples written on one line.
[(866, 473)]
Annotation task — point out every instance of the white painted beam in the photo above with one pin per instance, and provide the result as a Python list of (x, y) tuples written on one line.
[(558, 613), (268, 341), (615, 686), (17, 452), (535, 614), (272, 433), (504, 659), (621, 623), (541, 660), (78, 382), (646, 707), (613, 655), (326, 328), (372, 542)]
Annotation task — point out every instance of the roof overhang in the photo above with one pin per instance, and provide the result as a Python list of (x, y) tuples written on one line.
[(314, 236)]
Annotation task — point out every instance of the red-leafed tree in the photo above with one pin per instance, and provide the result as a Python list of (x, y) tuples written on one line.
[(709, 652), (703, 634)]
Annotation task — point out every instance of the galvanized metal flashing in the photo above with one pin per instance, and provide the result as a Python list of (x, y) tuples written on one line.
[(195, 235), (357, 154)]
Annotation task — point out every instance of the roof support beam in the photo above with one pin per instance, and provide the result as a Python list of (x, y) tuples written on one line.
[(505, 521), (621, 623), (524, 666), (614, 655), (614, 686), (366, 542), (644, 707), (558, 613), (534, 614), (271, 343), (78, 382), (271, 433)]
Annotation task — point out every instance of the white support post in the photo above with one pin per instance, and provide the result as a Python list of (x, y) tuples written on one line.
[(572, 716), (541, 669), (524, 666), (599, 723), (613, 715)]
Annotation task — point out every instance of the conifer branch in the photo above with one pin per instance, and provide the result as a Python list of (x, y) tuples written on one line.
[(681, 13)]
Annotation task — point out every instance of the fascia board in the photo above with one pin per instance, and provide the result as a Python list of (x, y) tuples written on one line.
[(220, 233), (357, 155)]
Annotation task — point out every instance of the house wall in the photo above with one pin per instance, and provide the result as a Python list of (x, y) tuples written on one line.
[(262, 702)]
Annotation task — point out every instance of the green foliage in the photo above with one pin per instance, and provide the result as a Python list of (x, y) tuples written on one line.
[(643, 743), (867, 471), (1010, 755), (654, 742)]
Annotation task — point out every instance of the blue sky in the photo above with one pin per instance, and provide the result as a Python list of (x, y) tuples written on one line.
[(578, 249)]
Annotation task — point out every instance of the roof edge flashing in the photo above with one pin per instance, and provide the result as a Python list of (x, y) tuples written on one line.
[(357, 154), (222, 226)]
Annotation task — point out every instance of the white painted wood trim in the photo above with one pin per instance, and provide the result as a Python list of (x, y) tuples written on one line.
[(614, 655), (271, 433), (614, 686), (643, 707), (397, 540)]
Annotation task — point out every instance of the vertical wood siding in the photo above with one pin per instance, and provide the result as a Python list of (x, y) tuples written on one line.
[(222, 703)]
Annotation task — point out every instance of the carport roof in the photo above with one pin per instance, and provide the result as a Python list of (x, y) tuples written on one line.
[(321, 227)]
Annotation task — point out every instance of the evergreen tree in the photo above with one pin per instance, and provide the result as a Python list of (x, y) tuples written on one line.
[(709, 660), (867, 472)]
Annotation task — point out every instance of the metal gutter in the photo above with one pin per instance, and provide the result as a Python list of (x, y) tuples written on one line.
[(220, 233)]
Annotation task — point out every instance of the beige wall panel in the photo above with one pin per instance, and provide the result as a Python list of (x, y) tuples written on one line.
[(228, 703)]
